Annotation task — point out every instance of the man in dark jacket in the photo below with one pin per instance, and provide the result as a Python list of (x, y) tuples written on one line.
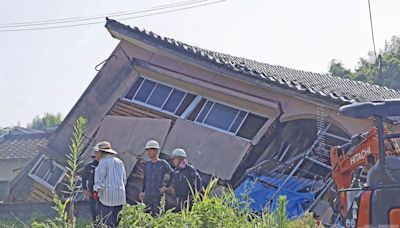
[(186, 179), (153, 182), (88, 182)]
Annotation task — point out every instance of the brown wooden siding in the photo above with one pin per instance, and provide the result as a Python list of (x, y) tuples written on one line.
[(41, 193), (124, 107)]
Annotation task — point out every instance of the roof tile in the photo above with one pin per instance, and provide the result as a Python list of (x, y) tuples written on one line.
[(327, 86), (22, 146)]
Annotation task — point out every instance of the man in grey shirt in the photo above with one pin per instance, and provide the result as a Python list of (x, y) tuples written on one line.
[(109, 182), (154, 173)]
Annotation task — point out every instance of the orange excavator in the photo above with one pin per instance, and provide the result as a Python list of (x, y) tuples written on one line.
[(377, 202)]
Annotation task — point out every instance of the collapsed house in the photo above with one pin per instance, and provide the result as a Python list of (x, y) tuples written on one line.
[(17, 147), (236, 118)]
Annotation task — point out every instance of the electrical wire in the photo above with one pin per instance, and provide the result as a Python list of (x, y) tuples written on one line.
[(81, 19), (193, 4)]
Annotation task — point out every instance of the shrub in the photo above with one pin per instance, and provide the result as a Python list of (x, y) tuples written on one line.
[(212, 211)]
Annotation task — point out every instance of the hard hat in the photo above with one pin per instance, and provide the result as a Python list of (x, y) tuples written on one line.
[(179, 153), (152, 144)]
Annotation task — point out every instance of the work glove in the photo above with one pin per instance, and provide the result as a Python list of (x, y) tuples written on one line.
[(96, 196)]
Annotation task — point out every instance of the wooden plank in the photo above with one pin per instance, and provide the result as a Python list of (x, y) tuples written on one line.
[(135, 107), (139, 111), (42, 188), (129, 112), (118, 113), (35, 198), (41, 195), (42, 191)]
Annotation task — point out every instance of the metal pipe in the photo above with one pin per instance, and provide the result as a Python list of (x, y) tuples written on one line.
[(294, 170), (318, 162), (300, 155), (390, 136), (381, 144), (336, 137), (284, 153), (350, 189), (327, 186)]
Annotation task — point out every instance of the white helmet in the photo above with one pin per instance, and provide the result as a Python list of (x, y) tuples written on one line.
[(179, 153), (152, 144)]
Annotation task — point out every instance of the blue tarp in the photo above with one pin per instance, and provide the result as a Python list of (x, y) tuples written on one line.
[(259, 189)]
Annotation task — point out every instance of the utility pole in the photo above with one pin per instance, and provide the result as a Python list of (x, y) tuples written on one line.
[(380, 77)]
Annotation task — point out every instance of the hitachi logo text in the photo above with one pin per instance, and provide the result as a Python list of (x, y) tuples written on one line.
[(360, 155)]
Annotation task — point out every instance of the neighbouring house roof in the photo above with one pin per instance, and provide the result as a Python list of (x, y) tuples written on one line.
[(322, 86), (22, 146), (21, 130)]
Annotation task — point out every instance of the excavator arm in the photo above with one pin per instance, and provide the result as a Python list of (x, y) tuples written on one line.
[(361, 152)]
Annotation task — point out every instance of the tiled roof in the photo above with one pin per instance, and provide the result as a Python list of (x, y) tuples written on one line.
[(22, 146), (21, 130), (323, 86)]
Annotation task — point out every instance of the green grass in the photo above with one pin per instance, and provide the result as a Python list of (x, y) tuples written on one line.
[(212, 211), (207, 211)]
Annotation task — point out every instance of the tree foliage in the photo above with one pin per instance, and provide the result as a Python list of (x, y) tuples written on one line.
[(46, 123), (2, 131), (367, 69)]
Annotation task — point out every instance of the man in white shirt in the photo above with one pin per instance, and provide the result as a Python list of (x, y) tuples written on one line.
[(109, 183)]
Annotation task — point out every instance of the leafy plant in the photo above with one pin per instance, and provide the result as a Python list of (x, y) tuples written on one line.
[(75, 165), (209, 210), (66, 218)]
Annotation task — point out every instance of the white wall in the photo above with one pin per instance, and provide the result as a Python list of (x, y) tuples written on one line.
[(10, 168)]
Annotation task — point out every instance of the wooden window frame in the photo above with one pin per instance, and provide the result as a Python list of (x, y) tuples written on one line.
[(40, 179)]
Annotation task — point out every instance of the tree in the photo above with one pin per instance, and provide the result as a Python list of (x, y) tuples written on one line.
[(2, 131), (367, 69), (336, 68), (46, 123)]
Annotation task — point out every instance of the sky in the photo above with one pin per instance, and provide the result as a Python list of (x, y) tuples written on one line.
[(48, 70)]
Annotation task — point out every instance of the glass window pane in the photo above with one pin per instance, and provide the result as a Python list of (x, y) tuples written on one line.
[(55, 175), (238, 121), (185, 103), (173, 101), (204, 112), (159, 96), (37, 167), (145, 90), (134, 88), (43, 168), (196, 110), (221, 116), (251, 126)]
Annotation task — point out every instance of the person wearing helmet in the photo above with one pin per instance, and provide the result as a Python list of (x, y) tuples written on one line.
[(185, 178), (153, 181)]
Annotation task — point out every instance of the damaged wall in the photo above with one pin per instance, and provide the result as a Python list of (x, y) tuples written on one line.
[(210, 151), (128, 136)]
